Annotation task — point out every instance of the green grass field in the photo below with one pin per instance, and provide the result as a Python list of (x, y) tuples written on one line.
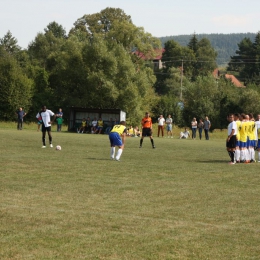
[(178, 201)]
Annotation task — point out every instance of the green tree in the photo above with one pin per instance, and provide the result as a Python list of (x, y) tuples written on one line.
[(16, 88)]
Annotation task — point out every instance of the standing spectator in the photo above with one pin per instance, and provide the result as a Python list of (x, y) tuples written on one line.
[(200, 127), (147, 127), (46, 115), (20, 115), (59, 119), (194, 124), (161, 122), (231, 139), (169, 126), (39, 123), (115, 140), (206, 126)]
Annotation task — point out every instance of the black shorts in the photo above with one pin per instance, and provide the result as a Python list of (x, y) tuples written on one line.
[(44, 128), (147, 132), (232, 142)]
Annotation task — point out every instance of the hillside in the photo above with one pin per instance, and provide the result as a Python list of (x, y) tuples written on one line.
[(224, 44)]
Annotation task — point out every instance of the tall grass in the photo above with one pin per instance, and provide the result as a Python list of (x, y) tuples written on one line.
[(178, 201)]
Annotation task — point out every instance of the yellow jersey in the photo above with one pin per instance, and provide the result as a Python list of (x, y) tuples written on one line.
[(244, 131), (120, 129)]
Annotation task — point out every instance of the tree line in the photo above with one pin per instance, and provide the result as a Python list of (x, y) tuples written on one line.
[(95, 65)]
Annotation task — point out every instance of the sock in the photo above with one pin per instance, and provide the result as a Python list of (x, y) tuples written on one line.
[(253, 154), (43, 141), (141, 141), (258, 156), (247, 155), (50, 139), (152, 142), (242, 155), (119, 152), (229, 153), (237, 155), (112, 152), (232, 156)]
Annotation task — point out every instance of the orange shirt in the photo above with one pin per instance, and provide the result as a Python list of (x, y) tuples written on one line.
[(147, 122)]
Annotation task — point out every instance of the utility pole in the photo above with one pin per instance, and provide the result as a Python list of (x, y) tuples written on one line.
[(181, 78)]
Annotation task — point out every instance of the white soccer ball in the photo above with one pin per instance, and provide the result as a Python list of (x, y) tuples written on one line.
[(58, 147)]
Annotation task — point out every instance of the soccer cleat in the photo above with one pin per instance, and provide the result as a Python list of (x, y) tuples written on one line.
[(51, 145), (238, 161), (117, 160), (112, 158), (43, 146), (153, 147), (140, 146), (232, 163)]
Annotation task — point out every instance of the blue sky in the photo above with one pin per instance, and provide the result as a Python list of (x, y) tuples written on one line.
[(25, 18)]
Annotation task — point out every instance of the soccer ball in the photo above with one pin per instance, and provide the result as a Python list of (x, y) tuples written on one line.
[(58, 147)]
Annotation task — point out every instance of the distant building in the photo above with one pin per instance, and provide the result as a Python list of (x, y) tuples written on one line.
[(157, 61), (232, 78)]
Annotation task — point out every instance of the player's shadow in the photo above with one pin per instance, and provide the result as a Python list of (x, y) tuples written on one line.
[(99, 159), (213, 161)]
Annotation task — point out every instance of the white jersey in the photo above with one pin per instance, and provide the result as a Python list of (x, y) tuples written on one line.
[(232, 126), (46, 117)]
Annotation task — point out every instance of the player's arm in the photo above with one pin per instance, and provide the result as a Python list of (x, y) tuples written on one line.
[(232, 133), (54, 117)]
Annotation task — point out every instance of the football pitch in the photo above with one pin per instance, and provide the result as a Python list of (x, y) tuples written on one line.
[(179, 201)]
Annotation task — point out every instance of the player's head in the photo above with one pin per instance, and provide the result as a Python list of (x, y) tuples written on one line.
[(44, 108), (147, 114), (122, 123)]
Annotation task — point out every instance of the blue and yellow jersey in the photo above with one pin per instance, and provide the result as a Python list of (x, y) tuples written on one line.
[(238, 122), (243, 131), (251, 130), (120, 129)]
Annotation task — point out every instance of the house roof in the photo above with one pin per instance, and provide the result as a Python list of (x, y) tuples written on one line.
[(158, 53), (231, 77), (234, 80)]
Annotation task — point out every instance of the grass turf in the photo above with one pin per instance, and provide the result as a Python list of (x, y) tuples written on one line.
[(178, 201)]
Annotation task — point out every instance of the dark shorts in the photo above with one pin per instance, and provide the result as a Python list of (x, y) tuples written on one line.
[(232, 142), (147, 132), (44, 128)]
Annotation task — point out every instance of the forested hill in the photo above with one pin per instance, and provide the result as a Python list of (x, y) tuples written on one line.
[(224, 44)]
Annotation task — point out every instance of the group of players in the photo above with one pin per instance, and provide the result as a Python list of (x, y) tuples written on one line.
[(243, 135)]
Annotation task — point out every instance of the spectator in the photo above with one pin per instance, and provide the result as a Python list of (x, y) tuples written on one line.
[(161, 122), (194, 125), (207, 126), (88, 125), (94, 126), (130, 131), (185, 134), (137, 132), (100, 125), (169, 126), (20, 115), (200, 127), (59, 119), (83, 126), (110, 124)]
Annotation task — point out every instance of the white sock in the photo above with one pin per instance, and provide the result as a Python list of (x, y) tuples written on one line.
[(119, 152), (237, 154), (247, 155), (258, 156), (242, 155), (253, 153), (112, 152)]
